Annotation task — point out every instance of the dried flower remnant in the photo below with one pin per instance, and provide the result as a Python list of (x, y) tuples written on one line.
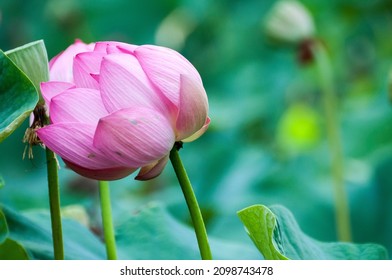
[(30, 137)]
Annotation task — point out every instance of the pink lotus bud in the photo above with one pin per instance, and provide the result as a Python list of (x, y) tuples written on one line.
[(116, 107)]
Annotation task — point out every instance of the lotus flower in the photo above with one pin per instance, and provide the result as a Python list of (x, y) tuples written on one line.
[(116, 107)]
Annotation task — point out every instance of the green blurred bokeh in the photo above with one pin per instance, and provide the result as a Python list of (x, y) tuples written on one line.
[(266, 143)]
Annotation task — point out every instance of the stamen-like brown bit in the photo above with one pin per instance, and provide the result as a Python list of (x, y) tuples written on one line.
[(30, 137)]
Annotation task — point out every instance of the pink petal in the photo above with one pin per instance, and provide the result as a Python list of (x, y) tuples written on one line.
[(101, 47), (193, 108), (74, 143), (52, 89), (84, 65), (134, 136), (77, 105), (198, 133), (83, 79), (124, 84), (107, 174), (90, 61), (129, 48), (164, 67), (153, 170), (60, 67), (110, 47)]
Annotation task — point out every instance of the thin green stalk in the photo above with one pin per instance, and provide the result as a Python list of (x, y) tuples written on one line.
[(107, 221), (193, 206), (334, 140), (54, 201), (40, 120)]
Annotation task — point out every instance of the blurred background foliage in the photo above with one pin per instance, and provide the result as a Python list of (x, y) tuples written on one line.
[(266, 143)]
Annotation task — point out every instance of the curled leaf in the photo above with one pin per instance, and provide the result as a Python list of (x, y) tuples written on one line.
[(277, 235), (18, 96)]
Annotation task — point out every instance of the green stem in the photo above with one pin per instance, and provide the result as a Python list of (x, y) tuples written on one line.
[(193, 206), (107, 221), (54, 201), (40, 119), (334, 140)]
